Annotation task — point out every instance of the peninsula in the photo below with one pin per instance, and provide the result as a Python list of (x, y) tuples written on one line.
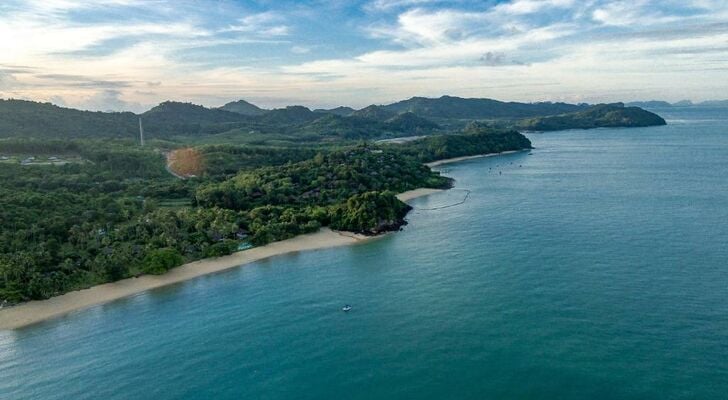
[(36, 311), (86, 205)]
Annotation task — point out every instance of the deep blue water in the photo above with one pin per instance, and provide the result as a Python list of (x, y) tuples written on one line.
[(596, 267)]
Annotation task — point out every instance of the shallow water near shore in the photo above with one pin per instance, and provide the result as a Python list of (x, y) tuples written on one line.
[(596, 267)]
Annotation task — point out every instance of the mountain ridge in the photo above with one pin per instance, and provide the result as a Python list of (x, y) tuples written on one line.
[(243, 107), (173, 119)]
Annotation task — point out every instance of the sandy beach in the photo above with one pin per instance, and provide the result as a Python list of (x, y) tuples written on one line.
[(456, 159), (413, 194), (35, 311)]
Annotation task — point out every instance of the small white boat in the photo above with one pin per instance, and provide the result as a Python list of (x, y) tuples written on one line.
[(346, 308)]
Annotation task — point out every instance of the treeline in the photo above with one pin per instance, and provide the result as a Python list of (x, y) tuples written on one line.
[(68, 227), (76, 225), (598, 116), (225, 160), (115, 212), (20, 118), (356, 127), (40, 147), (476, 139), (325, 179), (185, 121), (118, 213), (97, 239), (351, 189)]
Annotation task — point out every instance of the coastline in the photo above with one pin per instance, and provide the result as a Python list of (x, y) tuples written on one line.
[(35, 311), (464, 158)]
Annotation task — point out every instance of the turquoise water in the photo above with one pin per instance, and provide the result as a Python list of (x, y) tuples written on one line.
[(596, 267)]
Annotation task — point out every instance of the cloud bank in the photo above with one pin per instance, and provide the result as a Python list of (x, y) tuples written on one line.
[(130, 54)]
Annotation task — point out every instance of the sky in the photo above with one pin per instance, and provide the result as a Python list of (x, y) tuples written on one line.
[(133, 54)]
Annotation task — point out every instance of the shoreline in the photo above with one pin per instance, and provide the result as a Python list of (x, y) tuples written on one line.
[(36, 311), (465, 158)]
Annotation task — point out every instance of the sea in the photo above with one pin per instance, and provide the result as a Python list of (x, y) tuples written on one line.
[(593, 267)]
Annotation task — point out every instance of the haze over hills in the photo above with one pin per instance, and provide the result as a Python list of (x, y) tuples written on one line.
[(414, 116), (681, 103)]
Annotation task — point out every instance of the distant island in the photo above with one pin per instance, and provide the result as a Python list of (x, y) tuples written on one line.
[(86, 204), (599, 116), (681, 103)]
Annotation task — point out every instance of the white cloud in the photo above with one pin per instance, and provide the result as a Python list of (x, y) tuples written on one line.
[(108, 100), (384, 5), (518, 50), (531, 6), (300, 49), (625, 13), (261, 24)]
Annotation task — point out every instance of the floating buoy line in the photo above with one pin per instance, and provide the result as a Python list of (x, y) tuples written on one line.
[(465, 198)]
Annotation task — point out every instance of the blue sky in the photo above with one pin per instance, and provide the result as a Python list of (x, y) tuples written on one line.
[(131, 54)]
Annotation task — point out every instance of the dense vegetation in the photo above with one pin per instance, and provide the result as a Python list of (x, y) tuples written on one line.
[(374, 112), (242, 122), (71, 226), (599, 116), (477, 139), (243, 107), (224, 160), (109, 217), (109, 209), (356, 127), (340, 110), (20, 118), (324, 180), (459, 108)]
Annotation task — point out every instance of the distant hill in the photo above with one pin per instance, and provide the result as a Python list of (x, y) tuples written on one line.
[(20, 118), (346, 127), (681, 103), (478, 141), (244, 108), (412, 124), (290, 115), (172, 118), (460, 108), (416, 116), (598, 116), (355, 127), (649, 104), (176, 112), (714, 103), (341, 110), (374, 112)]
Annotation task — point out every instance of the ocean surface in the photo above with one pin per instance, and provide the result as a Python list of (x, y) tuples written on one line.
[(595, 267)]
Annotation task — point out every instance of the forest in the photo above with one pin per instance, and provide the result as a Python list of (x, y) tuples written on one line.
[(244, 122), (84, 203), (599, 116), (119, 213)]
